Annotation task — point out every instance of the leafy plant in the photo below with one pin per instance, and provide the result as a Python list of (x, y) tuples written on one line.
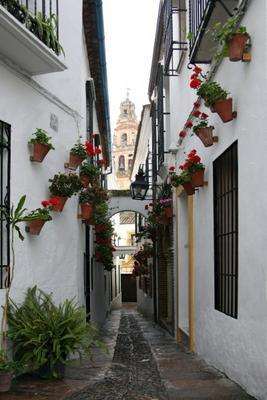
[(177, 180), (199, 125), (7, 365), (86, 196), (46, 335), (65, 185), (39, 213), (42, 137), (90, 170), (211, 92), (78, 150)]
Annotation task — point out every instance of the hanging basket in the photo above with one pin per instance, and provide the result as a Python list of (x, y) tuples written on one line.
[(224, 108), (61, 203), (86, 211), (35, 226), (236, 46), (40, 150), (75, 161), (5, 381), (206, 135), (189, 188), (198, 178)]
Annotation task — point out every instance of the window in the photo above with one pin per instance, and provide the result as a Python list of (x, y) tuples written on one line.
[(121, 163), (225, 178), (4, 203), (124, 139), (130, 163)]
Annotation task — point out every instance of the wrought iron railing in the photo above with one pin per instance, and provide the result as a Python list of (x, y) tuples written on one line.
[(4, 204), (173, 42), (40, 17)]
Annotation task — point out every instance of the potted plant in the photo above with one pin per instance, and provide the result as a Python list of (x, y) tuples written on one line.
[(41, 145), (62, 187), (231, 38), (77, 155), (89, 173), (203, 130), (45, 344), (216, 98), (184, 179), (85, 201), (167, 207), (104, 255), (37, 218)]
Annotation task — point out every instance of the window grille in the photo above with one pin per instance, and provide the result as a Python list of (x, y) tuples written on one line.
[(225, 177)]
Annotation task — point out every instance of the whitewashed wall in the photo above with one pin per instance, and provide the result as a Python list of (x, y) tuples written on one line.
[(237, 347)]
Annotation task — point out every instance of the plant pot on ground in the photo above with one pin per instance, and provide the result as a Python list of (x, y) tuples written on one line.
[(77, 155), (89, 173), (41, 145), (63, 186)]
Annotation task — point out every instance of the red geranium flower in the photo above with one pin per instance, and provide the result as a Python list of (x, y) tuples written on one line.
[(196, 113), (98, 150), (197, 69), (54, 201), (182, 134), (181, 167), (189, 124), (194, 76), (195, 83), (45, 203), (192, 152), (90, 150), (172, 169), (204, 116), (197, 104)]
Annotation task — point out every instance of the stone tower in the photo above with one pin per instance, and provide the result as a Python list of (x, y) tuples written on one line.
[(124, 144)]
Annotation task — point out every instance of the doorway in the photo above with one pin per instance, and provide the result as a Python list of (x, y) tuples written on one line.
[(128, 288)]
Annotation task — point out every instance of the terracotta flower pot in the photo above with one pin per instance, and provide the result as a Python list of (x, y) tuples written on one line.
[(85, 180), (224, 108), (100, 228), (86, 210), (236, 46), (206, 135), (34, 227), (168, 212), (5, 381), (75, 161), (61, 203), (39, 152), (189, 188), (198, 178)]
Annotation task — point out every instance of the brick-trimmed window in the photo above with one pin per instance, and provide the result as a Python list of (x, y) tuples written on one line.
[(225, 176)]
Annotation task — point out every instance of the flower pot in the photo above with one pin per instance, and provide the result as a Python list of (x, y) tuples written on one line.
[(189, 188), (34, 227), (86, 210), (61, 203), (236, 46), (5, 381), (100, 228), (75, 161), (224, 108), (206, 135), (198, 178), (168, 212), (85, 180), (39, 152)]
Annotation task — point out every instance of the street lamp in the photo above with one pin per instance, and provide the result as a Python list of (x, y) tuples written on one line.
[(140, 186)]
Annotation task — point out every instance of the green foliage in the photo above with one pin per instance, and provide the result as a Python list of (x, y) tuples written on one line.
[(177, 180), (86, 196), (78, 150), (16, 215), (45, 334), (201, 124), (42, 137), (65, 185), (39, 213), (7, 365), (211, 92), (90, 170)]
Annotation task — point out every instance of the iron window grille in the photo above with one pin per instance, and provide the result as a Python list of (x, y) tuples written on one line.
[(160, 115), (174, 40), (5, 131), (225, 177)]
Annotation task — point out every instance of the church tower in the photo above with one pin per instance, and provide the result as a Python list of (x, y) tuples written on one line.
[(124, 144)]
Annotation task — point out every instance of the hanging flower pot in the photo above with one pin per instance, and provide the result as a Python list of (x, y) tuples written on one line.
[(86, 210), (198, 178), (5, 381), (168, 211), (100, 228), (61, 203), (205, 135), (75, 161), (39, 152), (189, 188), (236, 46), (34, 227), (85, 179), (224, 108)]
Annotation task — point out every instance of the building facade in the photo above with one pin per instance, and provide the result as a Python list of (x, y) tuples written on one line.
[(218, 285), (65, 95)]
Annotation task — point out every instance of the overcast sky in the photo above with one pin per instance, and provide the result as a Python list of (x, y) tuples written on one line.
[(130, 30)]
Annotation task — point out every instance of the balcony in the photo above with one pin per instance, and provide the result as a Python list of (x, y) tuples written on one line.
[(25, 43), (203, 14), (175, 43)]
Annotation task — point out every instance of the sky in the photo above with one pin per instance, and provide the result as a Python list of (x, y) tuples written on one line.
[(130, 27)]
